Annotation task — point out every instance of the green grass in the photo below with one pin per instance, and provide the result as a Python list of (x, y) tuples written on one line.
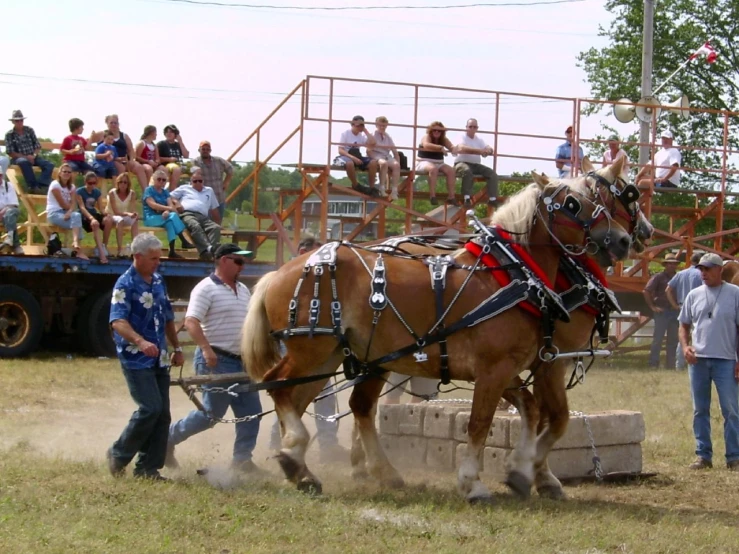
[(56, 496)]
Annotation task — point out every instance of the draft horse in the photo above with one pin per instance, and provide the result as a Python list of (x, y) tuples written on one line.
[(379, 317)]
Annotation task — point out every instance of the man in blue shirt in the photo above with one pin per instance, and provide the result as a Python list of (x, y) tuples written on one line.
[(563, 157), (677, 289), (142, 320)]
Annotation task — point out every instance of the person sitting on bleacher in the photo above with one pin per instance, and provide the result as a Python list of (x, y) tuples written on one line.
[(146, 151), (126, 160), (9, 212), (159, 211), (199, 211), (61, 207), (105, 156), (74, 146), (122, 209), (384, 147), (468, 164), (351, 156), (667, 162), (23, 148), (91, 208), (430, 161), (171, 151)]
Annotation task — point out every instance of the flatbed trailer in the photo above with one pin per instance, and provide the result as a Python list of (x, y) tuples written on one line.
[(50, 301)]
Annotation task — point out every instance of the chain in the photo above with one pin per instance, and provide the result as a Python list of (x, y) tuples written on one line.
[(596, 458), (237, 419)]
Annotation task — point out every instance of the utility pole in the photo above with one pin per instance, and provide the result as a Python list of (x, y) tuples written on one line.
[(646, 75)]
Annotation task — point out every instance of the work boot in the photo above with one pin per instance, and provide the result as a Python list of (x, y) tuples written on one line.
[(152, 476), (170, 461), (702, 463), (733, 465), (115, 466)]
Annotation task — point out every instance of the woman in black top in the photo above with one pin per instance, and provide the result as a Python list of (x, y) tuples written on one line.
[(430, 161)]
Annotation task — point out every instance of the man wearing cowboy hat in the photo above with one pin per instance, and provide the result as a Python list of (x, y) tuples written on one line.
[(23, 148), (664, 315)]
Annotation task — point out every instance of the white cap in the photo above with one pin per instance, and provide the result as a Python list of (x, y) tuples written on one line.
[(666, 134)]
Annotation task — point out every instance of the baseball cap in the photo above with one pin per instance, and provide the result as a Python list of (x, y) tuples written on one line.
[(230, 249), (357, 119), (711, 260), (670, 258), (203, 143), (666, 134), (569, 129), (614, 138)]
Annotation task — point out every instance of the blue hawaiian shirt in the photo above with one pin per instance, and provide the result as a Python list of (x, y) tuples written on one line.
[(147, 309)]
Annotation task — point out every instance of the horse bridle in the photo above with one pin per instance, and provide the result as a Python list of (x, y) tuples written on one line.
[(627, 196)]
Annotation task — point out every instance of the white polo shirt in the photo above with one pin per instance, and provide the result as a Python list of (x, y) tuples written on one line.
[(192, 200), (220, 311), (475, 142), (668, 157)]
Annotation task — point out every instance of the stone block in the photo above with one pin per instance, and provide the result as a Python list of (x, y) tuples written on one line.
[(389, 418), (609, 428), (410, 419), (440, 453), (578, 462), (405, 451), (498, 435), (438, 421)]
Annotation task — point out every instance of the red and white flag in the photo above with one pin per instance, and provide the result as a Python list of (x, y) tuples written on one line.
[(705, 51)]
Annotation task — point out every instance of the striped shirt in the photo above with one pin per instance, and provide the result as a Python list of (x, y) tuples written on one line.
[(213, 171), (220, 311)]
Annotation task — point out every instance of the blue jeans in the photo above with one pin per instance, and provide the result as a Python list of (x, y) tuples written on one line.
[(57, 218), (80, 167), (146, 432), (326, 431), (173, 224), (10, 222), (665, 323), (245, 404), (47, 168), (222, 210), (721, 372)]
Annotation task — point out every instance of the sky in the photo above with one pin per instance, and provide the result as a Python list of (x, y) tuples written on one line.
[(217, 72)]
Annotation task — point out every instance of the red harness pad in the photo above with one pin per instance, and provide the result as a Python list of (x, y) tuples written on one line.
[(502, 276)]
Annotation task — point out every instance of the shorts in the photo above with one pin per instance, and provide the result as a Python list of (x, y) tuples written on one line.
[(80, 167), (86, 223), (425, 166), (106, 172), (365, 161), (170, 167), (127, 220)]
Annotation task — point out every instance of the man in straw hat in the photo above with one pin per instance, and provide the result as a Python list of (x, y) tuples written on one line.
[(664, 315), (709, 323), (23, 148)]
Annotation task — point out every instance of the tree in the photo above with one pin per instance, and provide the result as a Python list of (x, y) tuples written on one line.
[(680, 27)]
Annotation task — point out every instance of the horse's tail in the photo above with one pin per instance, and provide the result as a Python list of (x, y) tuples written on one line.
[(259, 350)]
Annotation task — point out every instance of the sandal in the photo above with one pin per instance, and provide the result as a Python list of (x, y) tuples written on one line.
[(452, 201), (78, 253), (434, 201)]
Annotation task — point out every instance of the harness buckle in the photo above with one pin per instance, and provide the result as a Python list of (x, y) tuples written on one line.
[(318, 270)]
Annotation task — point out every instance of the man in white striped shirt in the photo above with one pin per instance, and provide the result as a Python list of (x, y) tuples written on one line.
[(215, 315)]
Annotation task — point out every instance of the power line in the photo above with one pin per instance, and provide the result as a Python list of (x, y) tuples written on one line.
[(358, 8)]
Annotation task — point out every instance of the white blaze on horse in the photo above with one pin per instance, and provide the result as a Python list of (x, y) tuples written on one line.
[(346, 301)]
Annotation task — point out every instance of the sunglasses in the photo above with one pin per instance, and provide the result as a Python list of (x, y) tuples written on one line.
[(437, 131), (65, 171), (237, 261), (91, 182), (113, 122), (197, 180), (161, 180)]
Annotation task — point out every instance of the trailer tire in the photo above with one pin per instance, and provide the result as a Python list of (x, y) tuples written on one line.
[(100, 336), (21, 322)]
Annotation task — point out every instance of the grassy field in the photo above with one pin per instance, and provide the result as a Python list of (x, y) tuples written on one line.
[(59, 416)]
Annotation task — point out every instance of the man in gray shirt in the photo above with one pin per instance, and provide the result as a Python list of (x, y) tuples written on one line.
[(677, 289), (712, 311)]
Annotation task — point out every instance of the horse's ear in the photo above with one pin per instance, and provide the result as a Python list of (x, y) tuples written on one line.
[(617, 166), (541, 180), (587, 165)]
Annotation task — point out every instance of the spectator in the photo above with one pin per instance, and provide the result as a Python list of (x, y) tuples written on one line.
[(9, 212), (147, 153), (667, 161), (563, 156), (61, 207), (122, 209), (421, 388), (171, 151), (160, 211), (468, 164), (105, 157), (614, 152), (91, 208), (430, 161), (326, 431), (665, 317), (712, 312), (142, 320), (351, 155), (126, 160), (23, 148), (217, 174), (215, 314), (199, 212), (384, 146), (74, 146), (678, 288)]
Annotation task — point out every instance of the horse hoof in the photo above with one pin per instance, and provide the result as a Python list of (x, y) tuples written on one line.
[(311, 487), (360, 475), (552, 492), (519, 484), (394, 483), (481, 500), (289, 466)]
